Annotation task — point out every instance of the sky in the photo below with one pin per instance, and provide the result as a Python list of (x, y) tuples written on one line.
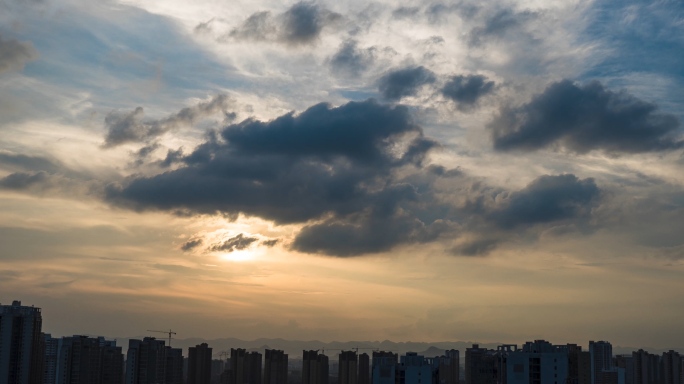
[(494, 171)]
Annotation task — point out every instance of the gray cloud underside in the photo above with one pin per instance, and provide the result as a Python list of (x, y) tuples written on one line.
[(130, 128), (582, 118), (352, 60), (355, 176), (404, 82), (301, 24), (15, 54), (467, 90)]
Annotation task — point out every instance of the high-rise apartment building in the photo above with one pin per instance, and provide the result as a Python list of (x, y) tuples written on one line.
[(51, 346), (671, 363), (364, 369), (348, 368), (601, 360), (626, 363), (173, 371), (199, 364), (481, 365), (646, 367), (384, 367), (149, 361), (21, 344), (537, 362), (275, 367), (245, 366), (315, 368), (449, 367)]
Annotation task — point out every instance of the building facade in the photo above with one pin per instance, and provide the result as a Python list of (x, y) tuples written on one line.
[(21, 344), (199, 364), (275, 367)]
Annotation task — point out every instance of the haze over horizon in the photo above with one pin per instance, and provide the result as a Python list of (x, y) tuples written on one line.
[(499, 171)]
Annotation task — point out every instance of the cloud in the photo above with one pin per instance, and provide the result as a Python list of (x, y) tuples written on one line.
[(300, 24), (323, 164), (15, 54), (237, 243), (404, 82), (191, 244), (582, 118), (20, 162), (478, 247), (500, 24), (467, 90), (548, 199), (129, 127), (270, 243), (352, 60)]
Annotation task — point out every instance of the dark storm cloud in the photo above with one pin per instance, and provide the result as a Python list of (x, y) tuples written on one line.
[(354, 175), (467, 90), (548, 199), (300, 24), (352, 60), (582, 118), (236, 243), (371, 233), (404, 82), (335, 164), (15, 54), (191, 244), (129, 127)]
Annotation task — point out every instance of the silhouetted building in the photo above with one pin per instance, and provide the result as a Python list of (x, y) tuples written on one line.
[(275, 367), (50, 358), (364, 369), (601, 360), (315, 368), (537, 362), (449, 367), (626, 363), (671, 368), (481, 365), (149, 361), (217, 368), (245, 367), (173, 371), (78, 360), (416, 369), (112, 362), (199, 364), (384, 367), (646, 367), (21, 344), (347, 368)]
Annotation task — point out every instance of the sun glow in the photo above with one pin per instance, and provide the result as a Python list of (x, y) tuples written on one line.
[(240, 256)]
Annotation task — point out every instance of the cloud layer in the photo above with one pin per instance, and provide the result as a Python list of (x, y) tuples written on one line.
[(582, 118)]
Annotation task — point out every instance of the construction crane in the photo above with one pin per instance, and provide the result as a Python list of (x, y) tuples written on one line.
[(169, 332)]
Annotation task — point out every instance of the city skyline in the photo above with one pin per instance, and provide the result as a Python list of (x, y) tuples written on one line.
[(409, 170)]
